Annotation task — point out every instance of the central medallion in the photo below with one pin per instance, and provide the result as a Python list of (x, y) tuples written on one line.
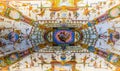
[(63, 36)]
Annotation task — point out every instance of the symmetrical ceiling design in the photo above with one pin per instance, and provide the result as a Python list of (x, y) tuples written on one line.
[(59, 35)]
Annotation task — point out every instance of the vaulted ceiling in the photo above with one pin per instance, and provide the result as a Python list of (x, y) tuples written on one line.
[(43, 33)]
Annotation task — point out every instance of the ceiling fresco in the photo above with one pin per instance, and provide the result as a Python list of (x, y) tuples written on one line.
[(59, 35)]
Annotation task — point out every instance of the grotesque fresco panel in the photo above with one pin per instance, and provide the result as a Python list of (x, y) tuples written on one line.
[(59, 35)]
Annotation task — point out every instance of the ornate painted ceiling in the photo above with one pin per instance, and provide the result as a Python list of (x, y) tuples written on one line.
[(59, 35)]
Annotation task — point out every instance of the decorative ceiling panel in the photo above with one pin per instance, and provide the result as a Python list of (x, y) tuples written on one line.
[(59, 35)]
